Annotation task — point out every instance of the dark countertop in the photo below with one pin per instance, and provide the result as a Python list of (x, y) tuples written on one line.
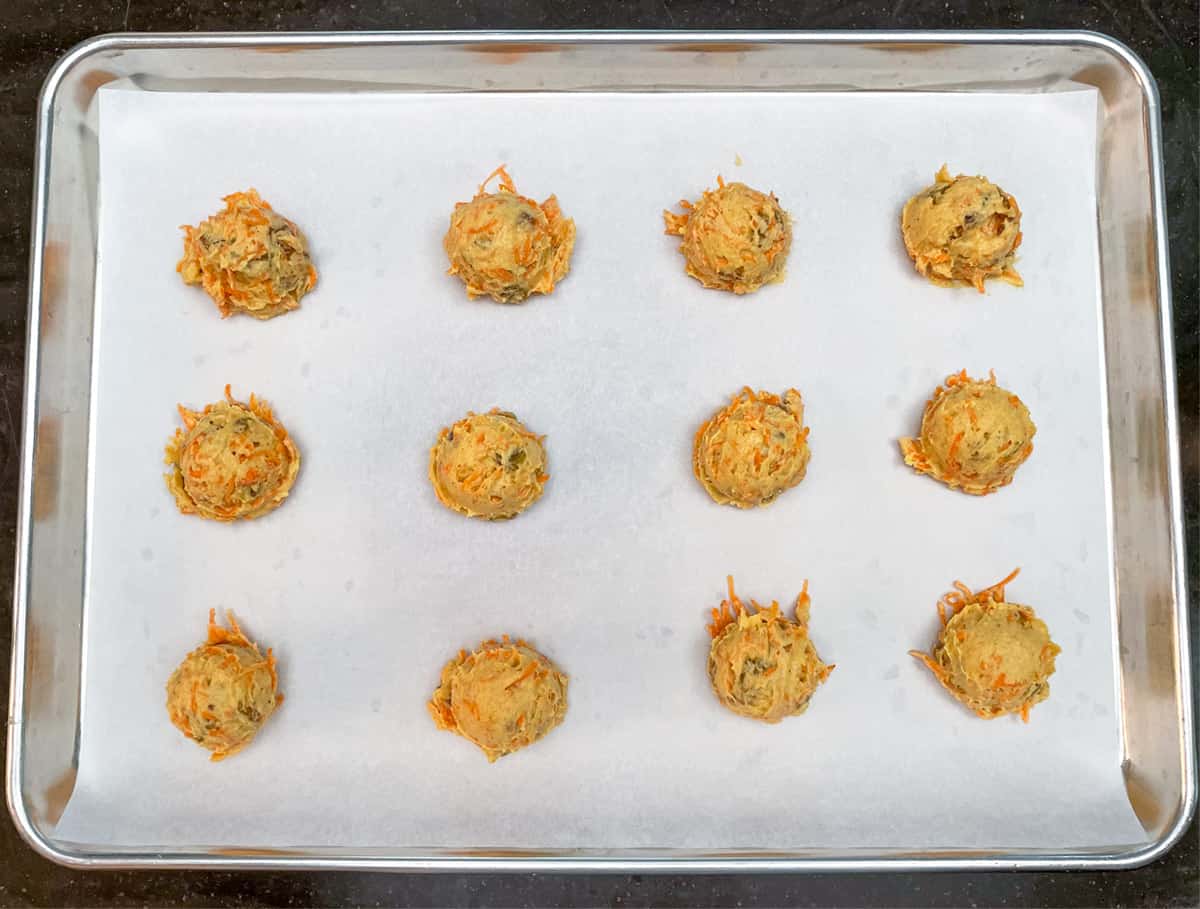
[(34, 33)]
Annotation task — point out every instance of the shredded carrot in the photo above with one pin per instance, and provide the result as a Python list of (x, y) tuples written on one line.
[(961, 596), (506, 182), (953, 448), (930, 663), (733, 608), (529, 670), (958, 378)]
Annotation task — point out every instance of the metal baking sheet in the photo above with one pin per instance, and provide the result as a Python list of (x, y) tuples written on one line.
[(364, 585)]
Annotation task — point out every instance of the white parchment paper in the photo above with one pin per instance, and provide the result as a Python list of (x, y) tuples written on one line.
[(364, 585)]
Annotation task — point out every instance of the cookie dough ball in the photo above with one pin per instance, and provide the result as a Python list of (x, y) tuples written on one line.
[(502, 697), (752, 450), (248, 258), (993, 656), (232, 461), (735, 238), (962, 230), (974, 435), (506, 246), (488, 466), (761, 664), (223, 691)]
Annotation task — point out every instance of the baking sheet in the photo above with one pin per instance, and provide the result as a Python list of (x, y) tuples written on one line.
[(364, 584)]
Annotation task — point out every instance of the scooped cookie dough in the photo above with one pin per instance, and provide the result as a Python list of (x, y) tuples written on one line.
[(761, 664), (749, 452), (248, 258), (506, 246), (223, 691), (974, 435), (502, 697), (962, 230), (232, 461), (993, 656), (735, 238), (488, 466)]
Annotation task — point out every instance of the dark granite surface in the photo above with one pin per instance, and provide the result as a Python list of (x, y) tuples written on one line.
[(33, 33)]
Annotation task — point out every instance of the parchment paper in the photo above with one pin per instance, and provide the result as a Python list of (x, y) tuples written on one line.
[(364, 585)]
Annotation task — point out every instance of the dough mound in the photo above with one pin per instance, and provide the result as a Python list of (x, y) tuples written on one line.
[(234, 461), (752, 450), (974, 435), (735, 238), (506, 246), (248, 258), (488, 466), (761, 664), (502, 697), (223, 691), (962, 230), (993, 656)]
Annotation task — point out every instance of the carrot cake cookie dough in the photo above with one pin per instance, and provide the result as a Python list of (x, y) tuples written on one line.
[(974, 435), (762, 664), (231, 461), (993, 656), (248, 258), (735, 238), (223, 691), (502, 697), (752, 450), (506, 246), (962, 230), (488, 466)]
